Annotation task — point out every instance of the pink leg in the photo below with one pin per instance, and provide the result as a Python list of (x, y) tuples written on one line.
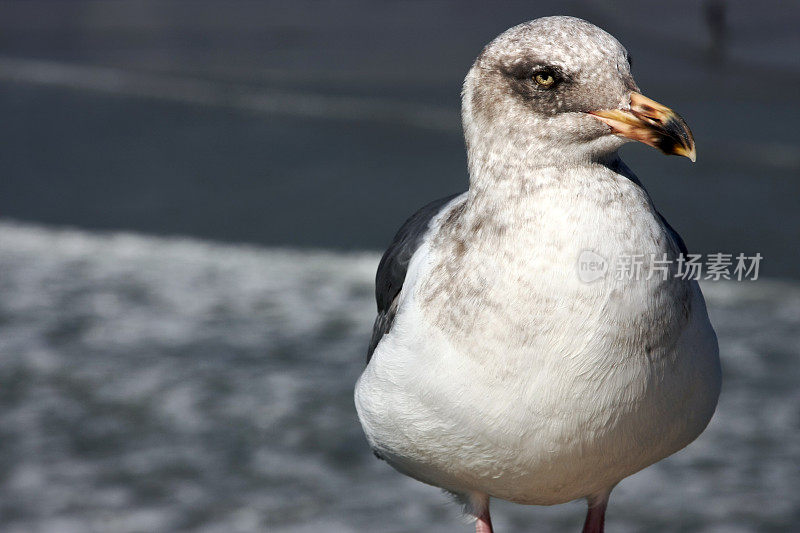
[(478, 506), (596, 515), (484, 522)]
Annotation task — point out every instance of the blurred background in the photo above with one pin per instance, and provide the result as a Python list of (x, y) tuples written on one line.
[(193, 201)]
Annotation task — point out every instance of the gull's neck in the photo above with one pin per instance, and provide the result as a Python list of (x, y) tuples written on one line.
[(506, 177), (517, 152)]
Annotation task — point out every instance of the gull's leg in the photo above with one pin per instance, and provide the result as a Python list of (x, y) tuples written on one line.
[(596, 514), (479, 507), (484, 522)]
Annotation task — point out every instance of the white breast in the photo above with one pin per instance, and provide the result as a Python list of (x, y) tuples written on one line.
[(504, 373)]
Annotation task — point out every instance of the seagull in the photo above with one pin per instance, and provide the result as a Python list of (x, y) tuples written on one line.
[(509, 358)]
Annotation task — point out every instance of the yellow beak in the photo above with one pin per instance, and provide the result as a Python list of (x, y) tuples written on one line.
[(649, 122)]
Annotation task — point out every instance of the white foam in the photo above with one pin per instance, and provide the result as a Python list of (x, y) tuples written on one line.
[(174, 383)]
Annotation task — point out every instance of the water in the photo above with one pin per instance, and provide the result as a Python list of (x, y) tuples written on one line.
[(154, 384)]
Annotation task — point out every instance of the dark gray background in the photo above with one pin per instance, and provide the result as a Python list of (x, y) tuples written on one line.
[(324, 124)]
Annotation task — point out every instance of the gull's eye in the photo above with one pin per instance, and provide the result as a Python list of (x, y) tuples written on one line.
[(545, 78)]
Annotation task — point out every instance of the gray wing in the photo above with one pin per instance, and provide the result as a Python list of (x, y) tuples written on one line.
[(674, 234), (394, 265)]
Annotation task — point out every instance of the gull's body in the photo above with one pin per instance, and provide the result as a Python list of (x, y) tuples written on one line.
[(497, 371)]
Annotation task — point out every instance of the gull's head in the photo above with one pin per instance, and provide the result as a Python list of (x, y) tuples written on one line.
[(559, 90)]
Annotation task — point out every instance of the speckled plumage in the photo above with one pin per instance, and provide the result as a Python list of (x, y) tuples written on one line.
[(503, 374)]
